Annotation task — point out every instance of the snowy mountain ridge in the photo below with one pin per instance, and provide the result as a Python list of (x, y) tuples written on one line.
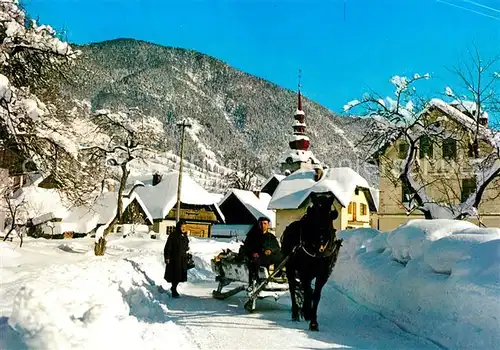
[(235, 117)]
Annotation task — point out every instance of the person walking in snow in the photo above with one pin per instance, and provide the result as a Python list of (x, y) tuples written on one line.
[(176, 259), (261, 248)]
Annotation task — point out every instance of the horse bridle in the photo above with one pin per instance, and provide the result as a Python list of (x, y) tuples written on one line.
[(321, 248)]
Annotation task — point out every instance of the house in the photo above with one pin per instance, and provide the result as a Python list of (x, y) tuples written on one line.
[(198, 207), (271, 184), (354, 200), (35, 206), (46, 212), (86, 219), (241, 210), (445, 165)]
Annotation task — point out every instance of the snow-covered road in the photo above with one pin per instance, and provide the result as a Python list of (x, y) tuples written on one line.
[(72, 299), (215, 324)]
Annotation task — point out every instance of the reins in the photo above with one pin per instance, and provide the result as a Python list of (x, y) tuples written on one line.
[(321, 249)]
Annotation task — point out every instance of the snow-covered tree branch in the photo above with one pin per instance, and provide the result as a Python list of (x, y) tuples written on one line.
[(127, 136), (33, 123), (406, 129), (246, 172)]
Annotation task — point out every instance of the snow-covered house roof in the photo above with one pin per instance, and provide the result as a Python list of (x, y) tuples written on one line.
[(455, 113), (469, 107), (160, 199), (257, 206), (278, 177), (296, 188), (217, 197), (271, 184), (454, 110), (38, 204), (101, 212)]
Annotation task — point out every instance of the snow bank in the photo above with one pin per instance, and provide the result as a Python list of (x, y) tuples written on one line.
[(107, 303), (439, 279), (6, 251), (95, 305)]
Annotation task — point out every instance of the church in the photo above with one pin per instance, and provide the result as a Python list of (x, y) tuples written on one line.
[(303, 174)]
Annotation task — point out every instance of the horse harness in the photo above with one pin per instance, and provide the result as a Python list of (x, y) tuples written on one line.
[(321, 250)]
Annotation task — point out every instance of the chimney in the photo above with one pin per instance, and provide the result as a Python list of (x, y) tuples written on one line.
[(318, 174), (156, 179)]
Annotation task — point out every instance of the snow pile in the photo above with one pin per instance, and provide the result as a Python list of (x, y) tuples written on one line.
[(94, 305), (7, 252), (439, 279), (111, 302)]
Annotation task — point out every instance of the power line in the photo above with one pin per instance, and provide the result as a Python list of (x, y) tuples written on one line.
[(481, 5), (468, 9)]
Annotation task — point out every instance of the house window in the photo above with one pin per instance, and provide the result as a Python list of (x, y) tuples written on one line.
[(351, 209), (450, 148), (425, 147), (406, 193), (468, 188), (403, 149), (363, 209)]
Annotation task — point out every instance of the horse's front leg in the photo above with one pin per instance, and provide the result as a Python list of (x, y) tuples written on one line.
[(308, 297), (292, 285), (316, 296)]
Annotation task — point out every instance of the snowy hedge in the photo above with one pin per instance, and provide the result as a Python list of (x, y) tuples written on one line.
[(439, 279)]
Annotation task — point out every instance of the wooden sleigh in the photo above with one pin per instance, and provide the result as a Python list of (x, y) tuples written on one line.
[(230, 268)]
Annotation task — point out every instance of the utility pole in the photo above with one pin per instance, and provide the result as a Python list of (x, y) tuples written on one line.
[(183, 127)]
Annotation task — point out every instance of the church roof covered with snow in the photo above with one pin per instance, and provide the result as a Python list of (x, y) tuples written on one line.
[(296, 188), (162, 198)]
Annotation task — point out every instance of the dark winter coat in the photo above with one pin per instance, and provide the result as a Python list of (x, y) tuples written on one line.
[(176, 251), (258, 242)]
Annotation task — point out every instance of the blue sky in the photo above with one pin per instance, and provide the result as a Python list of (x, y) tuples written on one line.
[(344, 47)]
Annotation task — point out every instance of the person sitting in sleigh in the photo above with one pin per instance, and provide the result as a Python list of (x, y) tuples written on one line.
[(261, 248)]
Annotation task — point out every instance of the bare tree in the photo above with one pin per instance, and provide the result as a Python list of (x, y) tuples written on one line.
[(479, 91), (10, 206), (13, 210), (129, 136), (415, 125), (245, 174)]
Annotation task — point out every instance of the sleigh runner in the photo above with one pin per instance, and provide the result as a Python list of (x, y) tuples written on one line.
[(230, 267)]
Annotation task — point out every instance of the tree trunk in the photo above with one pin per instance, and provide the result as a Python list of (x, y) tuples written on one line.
[(100, 245)]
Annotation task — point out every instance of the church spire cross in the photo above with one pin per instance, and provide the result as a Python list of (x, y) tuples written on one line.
[(299, 96)]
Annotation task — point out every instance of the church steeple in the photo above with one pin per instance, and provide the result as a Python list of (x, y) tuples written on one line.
[(299, 156), (299, 140)]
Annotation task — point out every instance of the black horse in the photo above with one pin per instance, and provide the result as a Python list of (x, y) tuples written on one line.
[(313, 249)]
